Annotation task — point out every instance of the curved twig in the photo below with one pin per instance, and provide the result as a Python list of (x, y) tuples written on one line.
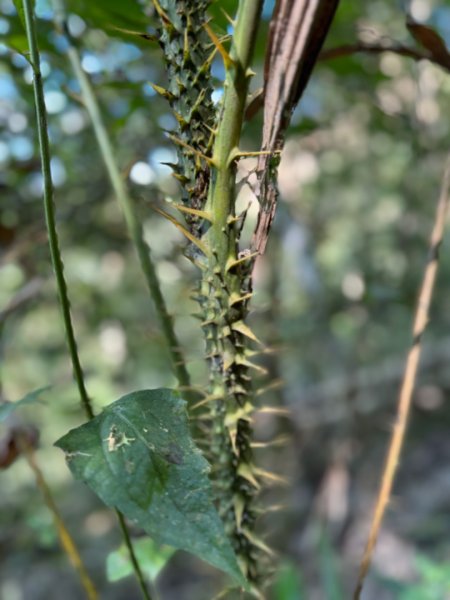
[(380, 48), (65, 537), (409, 378), (44, 148)]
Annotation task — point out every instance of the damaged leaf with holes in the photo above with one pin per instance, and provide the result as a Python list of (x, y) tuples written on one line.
[(138, 457)]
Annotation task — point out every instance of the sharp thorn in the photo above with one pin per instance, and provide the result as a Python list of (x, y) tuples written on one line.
[(230, 20), (271, 476), (179, 142), (227, 60), (245, 330), (161, 13), (183, 230), (278, 441), (278, 383), (209, 398), (203, 214), (246, 472), (163, 92), (275, 410), (231, 263)]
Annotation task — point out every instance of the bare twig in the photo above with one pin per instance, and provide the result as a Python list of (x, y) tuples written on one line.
[(409, 378), (65, 538), (28, 292), (379, 48)]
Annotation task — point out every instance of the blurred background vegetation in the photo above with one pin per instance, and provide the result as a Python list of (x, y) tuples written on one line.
[(335, 297)]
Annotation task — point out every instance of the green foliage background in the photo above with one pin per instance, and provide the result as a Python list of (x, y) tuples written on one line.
[(335, 292)]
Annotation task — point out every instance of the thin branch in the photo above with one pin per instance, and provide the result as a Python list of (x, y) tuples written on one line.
[(134, 561), (409, 378), (380, 48), (55, 252), (44, 148), (257, 102), (64, 536), (28, 292), (133, 223)]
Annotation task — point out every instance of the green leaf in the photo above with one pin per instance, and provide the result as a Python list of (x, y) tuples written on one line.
[(9, 407), (21, 11), (288, 585), (152, 559), (112, 16), (331, 581), (138, 456)]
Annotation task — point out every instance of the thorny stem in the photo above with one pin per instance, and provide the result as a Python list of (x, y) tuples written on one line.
[(222, 197), (126, 204), (55, 252), (225, 290), (409, 378), (49, 206)]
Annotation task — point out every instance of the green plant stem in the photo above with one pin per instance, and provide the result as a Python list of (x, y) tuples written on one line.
[(55, 252), (222, 197), (65, 538), (134, 561), (133, 223), (49, 205), (225, 291)]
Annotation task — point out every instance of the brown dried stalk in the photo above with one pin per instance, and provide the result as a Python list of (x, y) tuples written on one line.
[(297, 32), (409, 378)]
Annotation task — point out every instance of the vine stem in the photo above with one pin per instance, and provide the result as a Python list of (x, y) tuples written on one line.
[(409, 379), (133, 223), (44, 148), (55, 252), (134, 561)]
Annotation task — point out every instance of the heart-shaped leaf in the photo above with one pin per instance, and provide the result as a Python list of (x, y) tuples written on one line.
[(138, 456)]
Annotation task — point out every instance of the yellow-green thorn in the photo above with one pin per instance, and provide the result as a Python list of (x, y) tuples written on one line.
[(232, 262), (183, 230), (245, 330), (198, 153), (163, 92), (203, 214), (227, 60)]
